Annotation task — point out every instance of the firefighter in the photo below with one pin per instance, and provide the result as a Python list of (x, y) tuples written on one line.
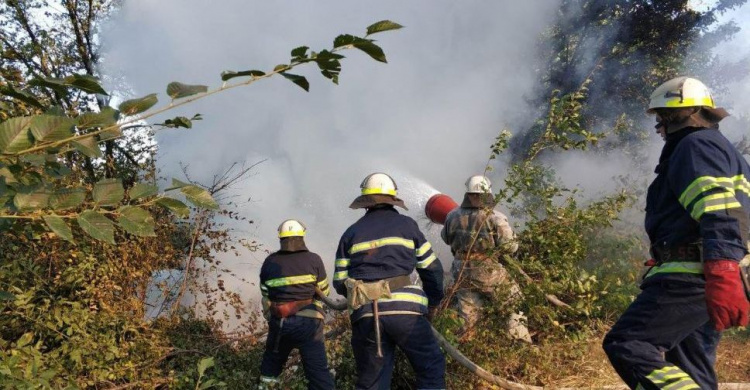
[(478, 236), (374, 260), (288, 282), (697, 221)]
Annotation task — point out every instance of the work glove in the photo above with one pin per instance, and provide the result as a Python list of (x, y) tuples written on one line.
[(725, 295)]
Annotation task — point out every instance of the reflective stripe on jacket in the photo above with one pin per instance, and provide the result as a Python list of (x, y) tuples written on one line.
[(385, 244)]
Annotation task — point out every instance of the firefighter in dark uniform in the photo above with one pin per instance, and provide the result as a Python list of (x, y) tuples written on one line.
[(288, 282), (697, 220), (374, 259)]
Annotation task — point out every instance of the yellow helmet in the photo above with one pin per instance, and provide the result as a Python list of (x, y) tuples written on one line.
[(291, 228), (378, 183), (681, 92)]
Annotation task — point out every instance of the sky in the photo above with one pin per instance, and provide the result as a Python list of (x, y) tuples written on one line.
[(457, 74)]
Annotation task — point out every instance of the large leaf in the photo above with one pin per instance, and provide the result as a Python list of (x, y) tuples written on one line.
[(230, 74), (297, 79), (365, 45), (32, 201), (383, 25), (205, 364), (111, 132), (97, 226), (55, 84), (106, 117), (85, 83), (108, 192), (178, 184), (51, 127), (68, 198), (15, 135), (136, 220), (143, 190), (175, 206), (179, 90), (21, 95), (59, 227), (199, 197), (137, 106), (88, 146)]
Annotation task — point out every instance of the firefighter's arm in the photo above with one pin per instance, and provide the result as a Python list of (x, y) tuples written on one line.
[(341, 270), (265, 302), (700, 176), (504, 231), (429, 268), (322, 282)]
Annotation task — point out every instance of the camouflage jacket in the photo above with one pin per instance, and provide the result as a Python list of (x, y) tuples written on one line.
[(490, 226)]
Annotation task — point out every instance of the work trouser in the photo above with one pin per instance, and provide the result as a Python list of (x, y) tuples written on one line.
[(305, 334), (665, 340), (411, 333), (478, 280)]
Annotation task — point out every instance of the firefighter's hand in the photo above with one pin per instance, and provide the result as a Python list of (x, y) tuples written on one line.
[(431, 313), (725, 295)]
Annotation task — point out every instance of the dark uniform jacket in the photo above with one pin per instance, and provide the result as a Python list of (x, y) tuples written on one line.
[(384, 244), (293, 276), (699, 197)]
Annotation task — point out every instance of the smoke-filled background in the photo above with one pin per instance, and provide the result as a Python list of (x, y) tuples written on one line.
[(456, 75)]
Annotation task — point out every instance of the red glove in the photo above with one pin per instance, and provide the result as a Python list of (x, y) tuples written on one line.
[(725, 295)]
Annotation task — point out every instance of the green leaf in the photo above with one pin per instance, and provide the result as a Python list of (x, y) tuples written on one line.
[(106, 117), (230, 74), (59, 227), (110, 133), (51, 127), (175, 206), (35, 160), (97, 226), (179, 90), (56, 170), (143, 190), (137, 106), (300, 52), (6, 223), (21, 96), (85, 83), (68, 198), (55, 84), (383, 25), (178, 184), (31, 201), (136, 220), (6, 296), (177, 122), (204, 364), (199, 197), (24, 340), (372, 50), (15, 135), (297, 79), (108, 192), (88, 146), (280, 68)]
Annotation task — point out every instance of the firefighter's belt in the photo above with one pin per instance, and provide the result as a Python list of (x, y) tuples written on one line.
[(288, 309), (359, 293), (679, 253)]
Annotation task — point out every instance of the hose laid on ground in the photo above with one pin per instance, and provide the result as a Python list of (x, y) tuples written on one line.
[(456, 355)]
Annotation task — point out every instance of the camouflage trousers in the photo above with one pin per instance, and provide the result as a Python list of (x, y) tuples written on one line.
[(479, 281)]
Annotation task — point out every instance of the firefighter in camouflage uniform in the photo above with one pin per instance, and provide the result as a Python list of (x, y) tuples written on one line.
[(478, 236)]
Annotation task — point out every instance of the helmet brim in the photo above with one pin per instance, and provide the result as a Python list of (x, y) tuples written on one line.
[(367, 201)]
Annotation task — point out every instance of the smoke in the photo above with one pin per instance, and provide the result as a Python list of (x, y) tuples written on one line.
[(457, 74)]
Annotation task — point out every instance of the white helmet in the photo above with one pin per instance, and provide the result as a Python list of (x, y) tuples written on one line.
[(292, 228), (378, 183), (478, 184), (681, 92)]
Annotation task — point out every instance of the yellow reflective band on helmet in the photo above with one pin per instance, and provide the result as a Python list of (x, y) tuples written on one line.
[(423, 249), (714, 202), (374, 191), (341, 275), (705, 183), (292, 233), (291, 280), (677, 267), (426, 262), (689, 102), (406, 297), (367, 245), (342, 263)]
